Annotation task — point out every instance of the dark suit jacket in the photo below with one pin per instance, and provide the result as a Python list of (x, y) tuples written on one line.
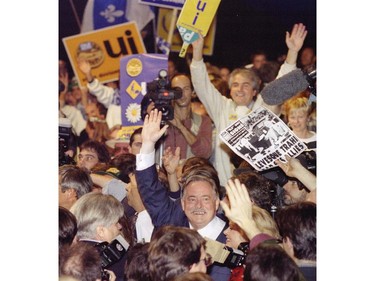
[(164, 211), (118, 268)]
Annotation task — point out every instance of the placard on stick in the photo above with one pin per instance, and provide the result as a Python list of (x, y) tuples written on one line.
[(195, 18)]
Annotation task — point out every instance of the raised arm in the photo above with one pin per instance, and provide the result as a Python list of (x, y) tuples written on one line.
[(240, 210), (294, 168), (103, 93), (170, 163), (151, 131), (198, 49), (294, 41)]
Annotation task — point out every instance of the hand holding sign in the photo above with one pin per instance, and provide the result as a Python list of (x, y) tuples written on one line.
[(195, 18)]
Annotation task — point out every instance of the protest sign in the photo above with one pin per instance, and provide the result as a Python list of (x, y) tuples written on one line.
[(135, 72), (195, 18), (103, 49), (260, 138)]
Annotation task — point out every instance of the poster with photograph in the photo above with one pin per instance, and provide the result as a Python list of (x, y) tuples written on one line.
[(260, 138)]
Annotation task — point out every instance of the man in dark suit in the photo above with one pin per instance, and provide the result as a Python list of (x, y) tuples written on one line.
[(200, 194)]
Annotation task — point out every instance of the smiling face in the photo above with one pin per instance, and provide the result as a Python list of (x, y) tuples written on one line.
[(242, 91), (298, 119), (199, 203)]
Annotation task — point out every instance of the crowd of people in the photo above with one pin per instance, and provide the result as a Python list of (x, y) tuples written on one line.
[(174, 202)]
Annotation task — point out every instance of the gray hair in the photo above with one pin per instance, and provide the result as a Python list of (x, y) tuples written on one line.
[(95, 209)]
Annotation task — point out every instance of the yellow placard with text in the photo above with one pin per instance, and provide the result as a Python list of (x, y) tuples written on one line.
[(103, 48), (164, 19), (197, 15)]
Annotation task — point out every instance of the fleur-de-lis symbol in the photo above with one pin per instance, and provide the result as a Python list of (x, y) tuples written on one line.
[(110, 13)]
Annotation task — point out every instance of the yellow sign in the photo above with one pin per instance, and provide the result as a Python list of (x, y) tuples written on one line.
[(164, 19), (195, 18), (103, 48)]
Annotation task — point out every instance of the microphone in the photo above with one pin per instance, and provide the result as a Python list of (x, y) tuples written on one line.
[(287, 86)]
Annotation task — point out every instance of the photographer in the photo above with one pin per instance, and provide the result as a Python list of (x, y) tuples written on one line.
[(189, 131), (98, 224)]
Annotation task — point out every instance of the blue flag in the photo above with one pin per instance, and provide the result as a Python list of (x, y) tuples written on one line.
[(104, 13)]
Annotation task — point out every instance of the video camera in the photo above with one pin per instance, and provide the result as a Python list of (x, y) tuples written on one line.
[(307, 159), (162, 95), (65, 134), (110, 253)]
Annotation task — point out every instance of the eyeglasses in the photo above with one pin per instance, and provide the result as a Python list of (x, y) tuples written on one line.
[(207, 260)]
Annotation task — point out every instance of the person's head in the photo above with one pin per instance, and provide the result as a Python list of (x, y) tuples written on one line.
[(125, 163), (258, 58), (244, 86), (268, 72), (136, 266), (135, 141), (297, 112), (234, 235), (81, 261), (270, 262), (98, 216), (224, 73), (258, 188), (176, 250), (183, 81), (294, 192), (264, 221), (67, 227), (297, 225), (93, 153), (74, 182), (121, 147), (221, 85), (200, 195), (95, 110), (307, 57), (196, 161), (75, 89)]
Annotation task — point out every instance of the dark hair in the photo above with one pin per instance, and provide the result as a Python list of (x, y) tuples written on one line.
[(174, 252), (125, 163), (136, 266), (81, 261), (258, 188), (298, 223), (185, 75), (67, 227), (270, 262), (136, 132), (100, 148)]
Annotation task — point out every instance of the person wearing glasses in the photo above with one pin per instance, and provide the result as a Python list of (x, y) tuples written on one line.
[(196, 209)]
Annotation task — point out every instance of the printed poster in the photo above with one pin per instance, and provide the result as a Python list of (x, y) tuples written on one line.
[(103, 48), (260, 138)]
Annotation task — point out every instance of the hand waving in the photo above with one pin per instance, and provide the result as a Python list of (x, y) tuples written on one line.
[(295, 40)]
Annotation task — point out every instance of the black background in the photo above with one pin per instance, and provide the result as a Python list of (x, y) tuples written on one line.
[(243, 26)]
